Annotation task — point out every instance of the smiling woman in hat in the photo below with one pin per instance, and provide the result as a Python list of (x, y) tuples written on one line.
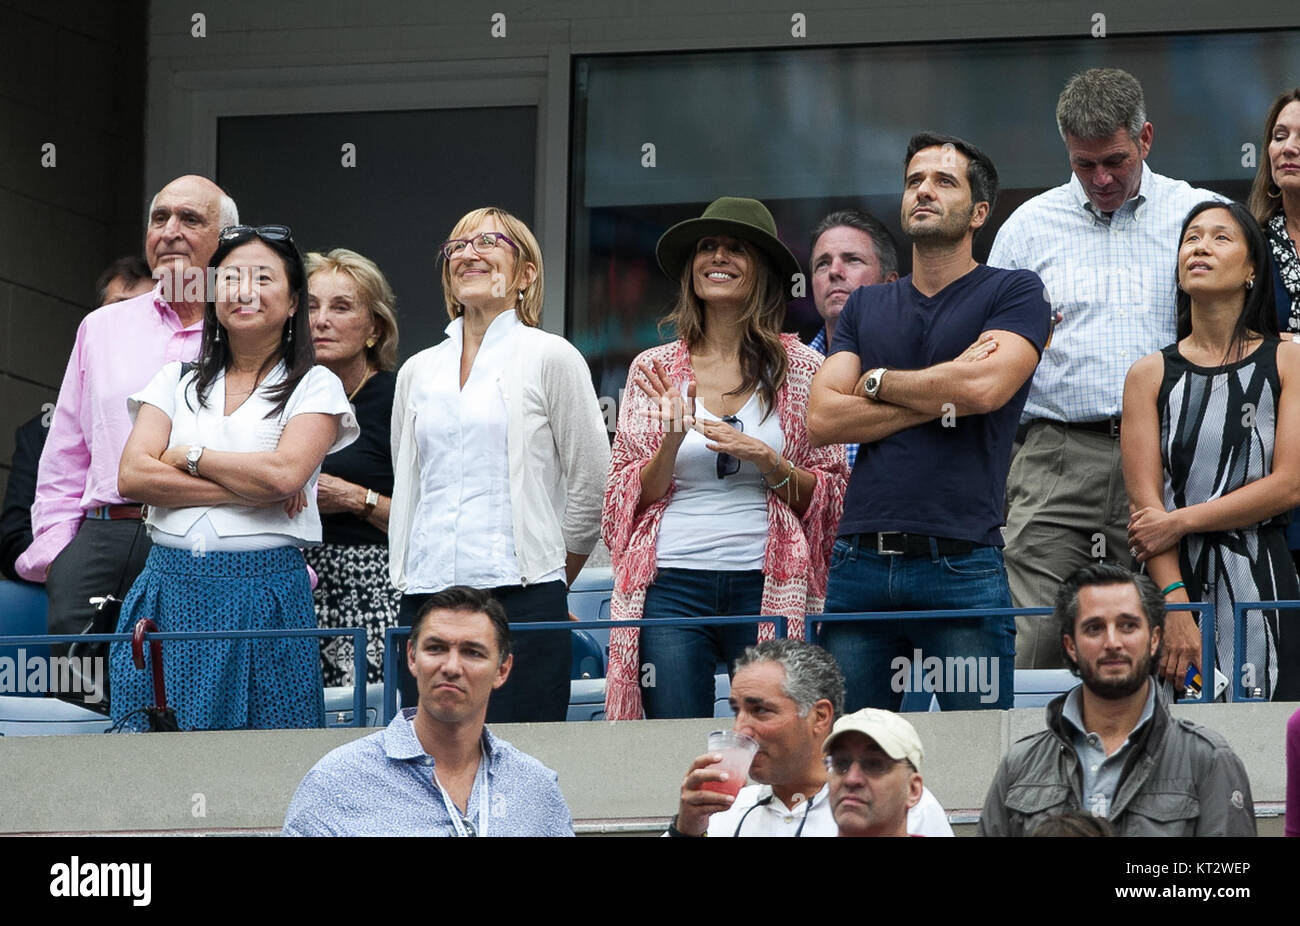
[(716, 503)]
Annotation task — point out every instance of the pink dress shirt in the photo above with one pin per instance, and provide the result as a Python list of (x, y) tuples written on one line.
[(119, 349)]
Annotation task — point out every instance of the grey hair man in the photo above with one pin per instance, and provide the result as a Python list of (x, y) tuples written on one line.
[(786, 695), (1105, 244), (89, 541)]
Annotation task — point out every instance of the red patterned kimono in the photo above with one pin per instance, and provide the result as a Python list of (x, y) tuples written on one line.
[(798, 549)]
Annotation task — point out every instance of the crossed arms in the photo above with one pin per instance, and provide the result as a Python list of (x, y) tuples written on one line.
[(980, 380)]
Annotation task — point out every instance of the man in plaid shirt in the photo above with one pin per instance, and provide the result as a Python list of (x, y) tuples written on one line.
[(1106, 246), (849, 249)]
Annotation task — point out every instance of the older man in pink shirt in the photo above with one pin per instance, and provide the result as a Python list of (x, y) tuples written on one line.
[(89, 541)]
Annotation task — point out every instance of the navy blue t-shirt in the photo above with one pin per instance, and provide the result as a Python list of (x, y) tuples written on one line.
[(930, 479)]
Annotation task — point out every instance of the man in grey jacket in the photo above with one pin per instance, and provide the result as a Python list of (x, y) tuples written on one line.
[(1111, 747)]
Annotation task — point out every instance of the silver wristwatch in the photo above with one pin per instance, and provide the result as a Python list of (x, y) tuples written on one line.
[(192, 459), (871, 386)]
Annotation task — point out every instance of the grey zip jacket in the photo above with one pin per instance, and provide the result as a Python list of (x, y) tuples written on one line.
[(1180, 779)]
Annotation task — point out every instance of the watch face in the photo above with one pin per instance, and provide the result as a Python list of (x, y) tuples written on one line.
[(873, 383)]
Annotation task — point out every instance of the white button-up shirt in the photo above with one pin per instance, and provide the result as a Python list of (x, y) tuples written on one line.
[(1112, 279), (463, 530), (772, 818)]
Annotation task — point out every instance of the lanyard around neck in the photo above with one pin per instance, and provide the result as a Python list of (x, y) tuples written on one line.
[(807, 808), (481, 786)]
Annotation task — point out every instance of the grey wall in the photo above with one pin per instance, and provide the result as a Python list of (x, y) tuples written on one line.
[(71, 74), (76, 72), (336, 55), (616, 777)]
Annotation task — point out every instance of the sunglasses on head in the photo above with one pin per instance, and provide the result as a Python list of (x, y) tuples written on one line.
[(266, 232), (727, 464)]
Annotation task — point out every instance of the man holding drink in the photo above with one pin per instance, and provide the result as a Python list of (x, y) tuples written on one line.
[(786, 695)]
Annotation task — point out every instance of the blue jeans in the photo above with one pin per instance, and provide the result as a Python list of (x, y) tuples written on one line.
[(968, 664), (678, 663)]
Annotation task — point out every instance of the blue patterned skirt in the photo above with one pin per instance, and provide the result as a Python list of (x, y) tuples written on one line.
[(223, 684)]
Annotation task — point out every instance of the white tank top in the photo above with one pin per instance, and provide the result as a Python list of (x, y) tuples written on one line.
[(713, 523)]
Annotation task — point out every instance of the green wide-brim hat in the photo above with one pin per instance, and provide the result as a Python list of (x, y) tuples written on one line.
[(736, 217)]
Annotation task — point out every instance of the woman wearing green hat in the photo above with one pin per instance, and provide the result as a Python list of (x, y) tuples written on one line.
[(716, 504)]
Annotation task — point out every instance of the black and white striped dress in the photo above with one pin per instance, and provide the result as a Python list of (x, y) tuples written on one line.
[(1217, 427)]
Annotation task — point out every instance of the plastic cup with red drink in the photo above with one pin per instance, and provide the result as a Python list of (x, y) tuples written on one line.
[(737, 751)]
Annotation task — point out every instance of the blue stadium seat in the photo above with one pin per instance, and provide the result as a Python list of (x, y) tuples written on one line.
[(1035, 687), (586, 699), (47, 717), (722, 695), (338, 705), (51, 717), (22, 611), (588, 656), (589, 601)]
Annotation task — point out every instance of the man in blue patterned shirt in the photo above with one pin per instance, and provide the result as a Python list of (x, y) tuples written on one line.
[(436, 770), (849, 249), (1105, 245)]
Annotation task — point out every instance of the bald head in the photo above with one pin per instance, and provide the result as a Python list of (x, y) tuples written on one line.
[(184, 221)]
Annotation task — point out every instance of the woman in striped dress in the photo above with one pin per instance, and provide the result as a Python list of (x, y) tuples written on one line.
[(1211, 448)]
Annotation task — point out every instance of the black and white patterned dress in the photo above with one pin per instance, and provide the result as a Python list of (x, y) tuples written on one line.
[(353, 588), (1217, 427)]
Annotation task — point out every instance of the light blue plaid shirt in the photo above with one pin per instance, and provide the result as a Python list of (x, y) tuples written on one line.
[(1113, 281), (383, 785), (819, 344)]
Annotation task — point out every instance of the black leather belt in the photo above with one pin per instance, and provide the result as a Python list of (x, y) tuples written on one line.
[(1108, 426), (897, 543)]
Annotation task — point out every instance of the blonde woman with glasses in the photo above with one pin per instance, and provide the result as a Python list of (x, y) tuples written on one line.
[(500, 453)]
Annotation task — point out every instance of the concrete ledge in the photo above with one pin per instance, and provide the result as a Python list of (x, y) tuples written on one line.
[(619, 778)]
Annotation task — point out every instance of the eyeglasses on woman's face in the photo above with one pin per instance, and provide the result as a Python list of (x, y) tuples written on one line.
[(482, 243)]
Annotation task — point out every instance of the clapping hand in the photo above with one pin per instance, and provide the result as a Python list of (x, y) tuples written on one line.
[(723, 438), (669, 409)]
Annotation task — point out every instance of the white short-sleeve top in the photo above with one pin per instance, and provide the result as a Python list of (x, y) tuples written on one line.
[(246, 430)]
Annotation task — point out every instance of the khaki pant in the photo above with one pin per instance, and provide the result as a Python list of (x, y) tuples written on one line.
[(1066, 508)]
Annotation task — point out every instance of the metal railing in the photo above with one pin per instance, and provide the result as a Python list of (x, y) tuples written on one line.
[(358, 635), (1239, 609), (393, 634)]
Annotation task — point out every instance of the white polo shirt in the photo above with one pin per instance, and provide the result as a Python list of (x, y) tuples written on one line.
[(773, 818)]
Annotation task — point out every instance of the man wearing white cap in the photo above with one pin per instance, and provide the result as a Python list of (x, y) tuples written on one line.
[(873, 758)]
